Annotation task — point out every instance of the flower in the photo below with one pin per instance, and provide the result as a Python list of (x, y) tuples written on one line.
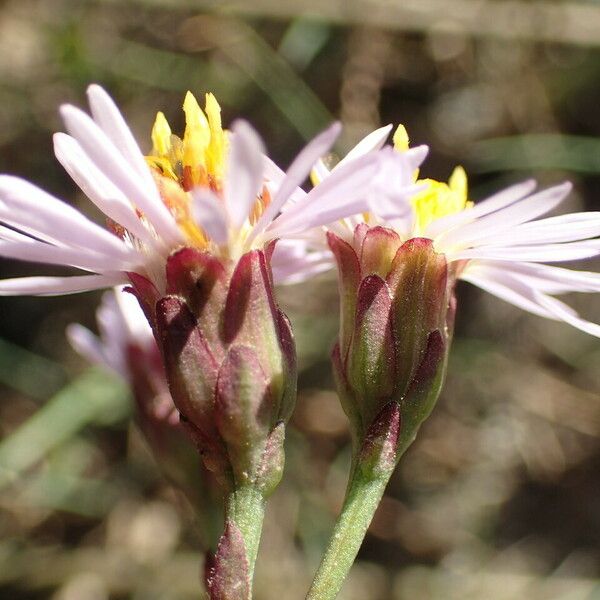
[(126, 346), (193, 228), (122, 326), (398, 264), (499, 244), (212, 190)]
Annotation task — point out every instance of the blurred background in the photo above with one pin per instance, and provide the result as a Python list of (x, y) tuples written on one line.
[(499, 498)]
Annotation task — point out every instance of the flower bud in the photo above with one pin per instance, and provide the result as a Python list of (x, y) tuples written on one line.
[(395, 328), (230, 361)]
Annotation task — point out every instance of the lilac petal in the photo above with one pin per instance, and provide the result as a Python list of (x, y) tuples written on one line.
[(85, 343), (133, 317), (97, 187), (292, 261), (244, 172), (394, 206), (13, 236), (111, 121), (296, 174), (502, 220), (273, 178), (52, 286), (27, 207), (414, 157), (342, 194), (272, 172), (553, 279), (540, 253), (507, 289), (111, 162), (488, 206), (209, 213), (41, 252), (373, 141), (565, 228), (565, 313)]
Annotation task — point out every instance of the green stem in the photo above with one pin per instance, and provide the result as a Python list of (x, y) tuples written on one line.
[(362, 500), (246, 508)]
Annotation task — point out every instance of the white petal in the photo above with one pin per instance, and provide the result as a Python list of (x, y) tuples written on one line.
[(342, 194), (210, 215), (13, 236), (244, 172), (51, 286), (137, 325), (41, 252), (373, 141), (492, 204), (111, 121), (504, 219), (296, 174), (97, 187), (110, 161), (556, 279), (506, 289), (29, 208), (566, 314), (541, 253), (84, 342), (565, 228)]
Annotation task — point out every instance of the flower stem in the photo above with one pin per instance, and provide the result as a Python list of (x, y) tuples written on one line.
[(246, 508), (362, 499)]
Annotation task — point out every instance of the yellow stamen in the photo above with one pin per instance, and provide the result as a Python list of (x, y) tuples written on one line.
[(401, 139), (161, 136), (217, 146), (197, 160), (458, 182), (439, 199), (196, 137)]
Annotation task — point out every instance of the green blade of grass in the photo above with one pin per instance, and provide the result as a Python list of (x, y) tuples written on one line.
[(94, 397)]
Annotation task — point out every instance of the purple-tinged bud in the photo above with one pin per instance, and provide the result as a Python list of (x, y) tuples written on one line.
[(230, 361), (396, 313), (379, 449), (228, 575)]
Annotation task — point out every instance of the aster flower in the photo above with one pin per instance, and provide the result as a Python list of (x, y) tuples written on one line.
[(211, 190), (398, 264), (498, 244), (192, 227), (126, 346)]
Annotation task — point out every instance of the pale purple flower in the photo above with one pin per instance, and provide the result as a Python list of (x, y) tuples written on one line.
[(499, 244), (102, 157), (121, 326)]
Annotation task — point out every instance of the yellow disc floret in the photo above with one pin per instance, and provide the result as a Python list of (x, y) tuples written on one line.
[(438, 199), (197, 160), (401, 139), (217, 145)]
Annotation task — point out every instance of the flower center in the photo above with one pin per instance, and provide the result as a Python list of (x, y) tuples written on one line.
[(197, 160), (438, 199)]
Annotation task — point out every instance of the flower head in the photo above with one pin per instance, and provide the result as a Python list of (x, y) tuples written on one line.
[(398, 263), (499, 244), (192, 227), (126, 346), (212, 189)]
